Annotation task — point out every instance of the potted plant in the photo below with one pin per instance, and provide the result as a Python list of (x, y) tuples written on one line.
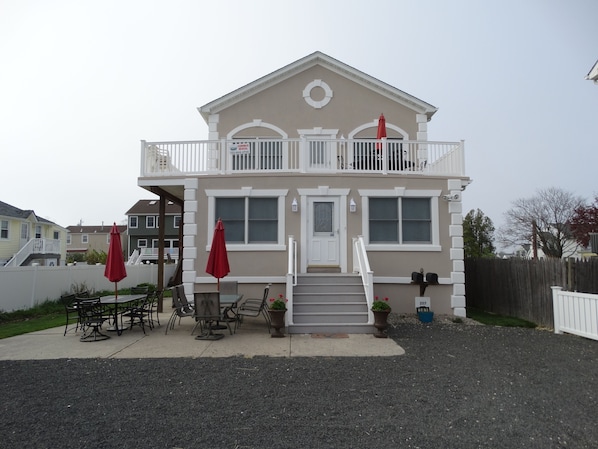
[(381, 309), (277, 309)]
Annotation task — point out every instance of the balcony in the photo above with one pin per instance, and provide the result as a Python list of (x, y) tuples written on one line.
[(330, 156)]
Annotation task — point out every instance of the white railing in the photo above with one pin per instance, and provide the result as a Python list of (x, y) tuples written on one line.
[(291, 277), (34, 246), (302, 156), (575, 313), (361, 265)]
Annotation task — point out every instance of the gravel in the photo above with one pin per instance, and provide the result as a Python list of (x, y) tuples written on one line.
[(457, 386)]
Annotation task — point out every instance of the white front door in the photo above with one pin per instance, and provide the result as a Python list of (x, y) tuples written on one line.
[(323, 231), (24, 235)]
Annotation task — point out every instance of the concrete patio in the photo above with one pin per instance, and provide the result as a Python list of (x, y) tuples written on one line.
[(251, 339)]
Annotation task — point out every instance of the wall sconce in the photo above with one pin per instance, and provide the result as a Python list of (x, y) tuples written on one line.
[(352, 206), (294, 205), (453, 197)]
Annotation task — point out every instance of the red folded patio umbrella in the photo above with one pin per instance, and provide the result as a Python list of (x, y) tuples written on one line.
[(381, 131), (218, 259), (115, 263)]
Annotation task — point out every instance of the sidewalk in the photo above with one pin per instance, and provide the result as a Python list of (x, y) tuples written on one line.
[(252, 339)]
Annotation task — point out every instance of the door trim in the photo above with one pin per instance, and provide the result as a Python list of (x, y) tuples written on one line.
[(324, 192)]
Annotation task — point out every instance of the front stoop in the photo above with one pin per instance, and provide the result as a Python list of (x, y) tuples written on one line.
[(329, 304)]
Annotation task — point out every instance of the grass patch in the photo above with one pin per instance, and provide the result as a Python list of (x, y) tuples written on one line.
[(493, 319), (45, 315)]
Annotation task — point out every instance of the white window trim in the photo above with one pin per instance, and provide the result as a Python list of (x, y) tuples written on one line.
[(7, 229), (139, 245), (396, 193), (176, 225), (248, 192), (136, 222), (85, 238), (147, 226)]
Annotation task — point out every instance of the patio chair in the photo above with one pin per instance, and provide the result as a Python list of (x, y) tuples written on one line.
[(152, 306), (207, 312), (255, 307), (180, 310), (91, 314), (138, 314), (70, 307)]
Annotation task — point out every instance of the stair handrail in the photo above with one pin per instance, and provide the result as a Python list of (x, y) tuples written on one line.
[(361, 265), (291, 277)]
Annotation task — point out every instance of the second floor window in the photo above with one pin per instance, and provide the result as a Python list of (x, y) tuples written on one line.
[(68, 239), (133, 221), (150, 221), (84, 238), (177, 221)]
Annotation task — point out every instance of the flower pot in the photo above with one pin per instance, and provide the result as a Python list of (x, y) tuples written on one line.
[(277, 322), (381, 322)]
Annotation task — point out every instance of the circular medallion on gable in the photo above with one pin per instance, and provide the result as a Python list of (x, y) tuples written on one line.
[(307, 94)]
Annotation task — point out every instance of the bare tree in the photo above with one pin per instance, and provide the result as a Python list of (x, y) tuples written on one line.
[(542, 220)]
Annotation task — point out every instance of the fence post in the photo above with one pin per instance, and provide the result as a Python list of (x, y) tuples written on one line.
[(555, 308)]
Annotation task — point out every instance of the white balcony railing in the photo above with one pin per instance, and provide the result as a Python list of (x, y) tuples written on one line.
[(302, 156)]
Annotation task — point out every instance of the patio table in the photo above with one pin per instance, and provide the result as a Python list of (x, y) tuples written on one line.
[(116, 301)]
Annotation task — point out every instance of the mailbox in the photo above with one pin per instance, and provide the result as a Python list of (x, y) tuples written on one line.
[(417, 278), (432, 278)]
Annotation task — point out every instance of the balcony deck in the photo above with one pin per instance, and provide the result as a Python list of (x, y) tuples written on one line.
[(330, 156)]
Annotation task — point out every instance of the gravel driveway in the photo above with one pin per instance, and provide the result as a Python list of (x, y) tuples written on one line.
[(457, 386)]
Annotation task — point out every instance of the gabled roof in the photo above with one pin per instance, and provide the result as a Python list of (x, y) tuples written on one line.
[(102, 229), (6, 210), (317, 58), (152, 207)]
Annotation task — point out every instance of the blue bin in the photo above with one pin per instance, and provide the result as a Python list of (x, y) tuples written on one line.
[(424, 314)]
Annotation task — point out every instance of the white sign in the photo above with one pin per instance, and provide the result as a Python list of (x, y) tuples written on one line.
[(240, 148), (422, 301)]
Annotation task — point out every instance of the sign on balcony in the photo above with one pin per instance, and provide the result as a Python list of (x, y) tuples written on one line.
[(240, 148)]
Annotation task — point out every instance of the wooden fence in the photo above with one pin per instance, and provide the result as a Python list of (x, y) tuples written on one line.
[(522, 288)]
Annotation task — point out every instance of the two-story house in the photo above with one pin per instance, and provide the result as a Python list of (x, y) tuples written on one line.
[(82, 239), (315, 199), (26, 238), (144, 231)]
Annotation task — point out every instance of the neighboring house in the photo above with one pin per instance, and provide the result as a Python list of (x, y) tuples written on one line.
[(82, 239), (308, 194), (144, 227), (26, 238)]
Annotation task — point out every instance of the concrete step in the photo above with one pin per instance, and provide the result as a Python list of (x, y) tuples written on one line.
[(331, 328), (331, 317)]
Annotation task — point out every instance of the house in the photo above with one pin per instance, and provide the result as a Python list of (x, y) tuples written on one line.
[(144, 231), (26, 238), (81, 239), (315, 199)]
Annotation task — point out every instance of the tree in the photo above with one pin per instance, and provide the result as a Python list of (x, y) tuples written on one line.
[(478, 235), (584, 222), (542, 220)]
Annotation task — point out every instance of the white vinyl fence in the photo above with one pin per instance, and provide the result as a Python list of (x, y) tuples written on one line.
[(575, 313), (24, 287)]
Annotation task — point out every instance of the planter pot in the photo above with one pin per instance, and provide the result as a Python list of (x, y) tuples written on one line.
[(277, 322), (381, 323)]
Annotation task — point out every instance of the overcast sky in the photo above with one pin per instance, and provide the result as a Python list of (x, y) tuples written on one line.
[(82, 82)]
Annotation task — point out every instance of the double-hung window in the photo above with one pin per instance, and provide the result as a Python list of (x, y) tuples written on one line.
[(3, 229), (400, 220), (249, 220)]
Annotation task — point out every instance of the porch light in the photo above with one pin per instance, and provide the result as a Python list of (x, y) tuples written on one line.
[(352, 206), (294, 205)]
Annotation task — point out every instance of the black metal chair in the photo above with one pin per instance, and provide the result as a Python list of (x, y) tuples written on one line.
[(255, 307), (138, 314), (152, 307), (70, 307), (91, 315)]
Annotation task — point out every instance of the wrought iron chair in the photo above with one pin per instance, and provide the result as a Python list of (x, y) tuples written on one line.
[(91, 315), (70, 307), (138, 314), (255, 307)]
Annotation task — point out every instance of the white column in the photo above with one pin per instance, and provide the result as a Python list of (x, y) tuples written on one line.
[(457, 253), (190, 230)]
